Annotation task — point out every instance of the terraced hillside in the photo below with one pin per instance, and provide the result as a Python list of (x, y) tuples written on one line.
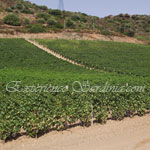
[(32, 18)]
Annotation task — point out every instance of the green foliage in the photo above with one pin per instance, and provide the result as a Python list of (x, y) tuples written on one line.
[(28, 4), (19, 6), (75, 17), (59, 26), (43, 7), (104, 31), (41, 21), (55, 12), (143, 38), (39, 112), (124, 58), (27, 11), (13, 7), (131, 33), (26, 21), (12, 19), (83, 19), (9, 10), (37, 28), (44, 16), (52, 21), (70, 23)]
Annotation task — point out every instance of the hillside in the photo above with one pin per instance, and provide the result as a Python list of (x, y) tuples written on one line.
[(31, 18)]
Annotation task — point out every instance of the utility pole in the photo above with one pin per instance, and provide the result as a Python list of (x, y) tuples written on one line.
[(61, 5)]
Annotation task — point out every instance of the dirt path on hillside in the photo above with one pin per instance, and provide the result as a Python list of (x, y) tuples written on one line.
[(72, 36), (129, 134), (55, 54)]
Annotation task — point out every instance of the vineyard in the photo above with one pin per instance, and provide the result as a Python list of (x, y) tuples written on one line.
[(24, 67), (123, 58)]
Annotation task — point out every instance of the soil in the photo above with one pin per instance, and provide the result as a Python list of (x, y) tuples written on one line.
[(72, 35), (128, 134)]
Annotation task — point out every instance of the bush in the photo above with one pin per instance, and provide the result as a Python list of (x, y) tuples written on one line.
[(70, 23), (59, 26), (19, 6), (121, 15), (12, 19), (75, 18), (41, 20), (52, 21), (27, 11), (9, 10), (45, 16), (37, 28), (43, 7), (28, 4), (13, 7), (27, 21), (56, 12), (131, 33), (83, 19), (105, 31)]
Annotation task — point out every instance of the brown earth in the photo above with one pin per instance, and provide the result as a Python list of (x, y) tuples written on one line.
[(72, 35), (129, 134)]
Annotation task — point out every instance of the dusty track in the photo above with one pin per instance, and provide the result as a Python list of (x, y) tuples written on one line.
[(73, 36), (129, 134), (55, 54)]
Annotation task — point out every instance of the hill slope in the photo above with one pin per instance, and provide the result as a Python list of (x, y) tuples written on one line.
[(35, 19)]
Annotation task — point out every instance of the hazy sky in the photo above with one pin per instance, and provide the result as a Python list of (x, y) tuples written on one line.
[(101, 8)]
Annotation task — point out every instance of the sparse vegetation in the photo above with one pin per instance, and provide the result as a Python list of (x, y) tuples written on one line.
[(122, 24)]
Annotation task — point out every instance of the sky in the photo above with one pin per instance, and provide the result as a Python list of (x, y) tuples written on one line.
[(101, 8)]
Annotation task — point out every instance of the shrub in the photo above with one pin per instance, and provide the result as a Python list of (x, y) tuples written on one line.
[(135, 17), (83, 19), (28, 4), (59, 26), (19, 6), (43, 7), (41, 20), (12, 19), (56, 12), (70, 23), (45, 16), (52, 21), (27, 21), (27, 11), (147, 30), (84, 14), (131, 33), (75, 18), (122, 29), (13, 7), (127, 15), (121, 15), (105, 31), (37, 28), (9, 10)]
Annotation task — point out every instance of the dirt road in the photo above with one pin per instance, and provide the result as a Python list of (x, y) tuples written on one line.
[(129, 134), (72, 36)]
